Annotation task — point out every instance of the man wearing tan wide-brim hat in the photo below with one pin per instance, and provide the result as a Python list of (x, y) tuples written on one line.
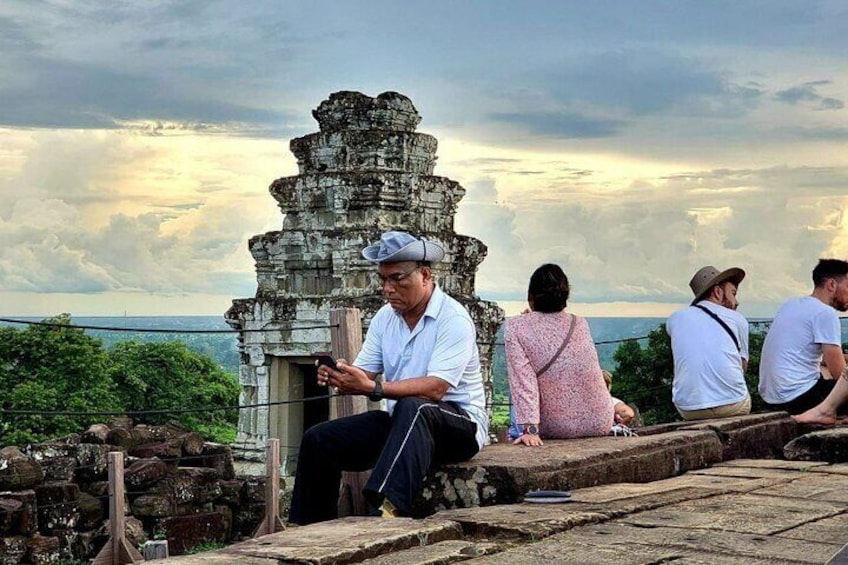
[(709, 343)]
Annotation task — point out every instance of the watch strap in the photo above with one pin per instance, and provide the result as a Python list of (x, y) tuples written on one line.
[(377, 394), (531, 429)]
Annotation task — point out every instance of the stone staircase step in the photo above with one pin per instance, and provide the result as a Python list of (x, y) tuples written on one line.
[(346, 540), (440, 553)]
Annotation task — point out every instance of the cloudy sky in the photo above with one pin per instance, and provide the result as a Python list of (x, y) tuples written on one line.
[(631, 142)]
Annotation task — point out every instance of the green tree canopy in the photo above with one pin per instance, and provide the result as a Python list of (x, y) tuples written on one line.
[(62, 369), (169, 376), (51, 369)]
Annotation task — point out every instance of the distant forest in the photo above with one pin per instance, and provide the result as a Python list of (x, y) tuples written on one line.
[(220, 347)]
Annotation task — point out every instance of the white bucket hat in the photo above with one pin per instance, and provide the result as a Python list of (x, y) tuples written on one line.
[(397, 246)]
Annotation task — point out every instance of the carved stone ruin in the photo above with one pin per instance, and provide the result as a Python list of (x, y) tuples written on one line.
[(366, 171)]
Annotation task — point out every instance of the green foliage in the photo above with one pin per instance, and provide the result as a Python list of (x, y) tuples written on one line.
[(206, 546), (500, 410), (50, 369), (644, 375), (168, 376)]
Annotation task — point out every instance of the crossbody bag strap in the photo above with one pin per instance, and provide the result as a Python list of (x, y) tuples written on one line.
[(722, 323), (561, 347)]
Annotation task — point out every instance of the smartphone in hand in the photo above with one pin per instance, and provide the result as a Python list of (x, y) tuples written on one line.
[(324, 359)]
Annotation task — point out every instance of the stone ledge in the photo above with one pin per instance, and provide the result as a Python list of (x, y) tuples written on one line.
[(502, 473), (346, 540)]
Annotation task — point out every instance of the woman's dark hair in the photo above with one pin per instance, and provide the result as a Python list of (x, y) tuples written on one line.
[(548, 290)]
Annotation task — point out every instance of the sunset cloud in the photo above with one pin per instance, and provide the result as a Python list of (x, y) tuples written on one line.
[(630, 142)]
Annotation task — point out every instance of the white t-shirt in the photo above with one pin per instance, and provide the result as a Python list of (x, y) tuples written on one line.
[(790, 363), (443, 344), (707, 364)]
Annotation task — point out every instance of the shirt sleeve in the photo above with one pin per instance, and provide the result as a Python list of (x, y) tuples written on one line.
[(456, 340), (370, 357), (523, 384), (826, 328), (744, 331)]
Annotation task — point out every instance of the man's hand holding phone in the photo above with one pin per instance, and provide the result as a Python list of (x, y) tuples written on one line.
[(344, 378)]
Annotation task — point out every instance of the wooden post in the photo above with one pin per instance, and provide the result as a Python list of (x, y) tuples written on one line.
[(117, 551), (346, 341), (271, 522)]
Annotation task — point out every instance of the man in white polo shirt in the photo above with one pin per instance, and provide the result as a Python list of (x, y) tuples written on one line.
[(424, 344), (804, 337), (709, 343)]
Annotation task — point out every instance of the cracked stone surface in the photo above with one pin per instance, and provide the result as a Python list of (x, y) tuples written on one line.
[(739, 512)]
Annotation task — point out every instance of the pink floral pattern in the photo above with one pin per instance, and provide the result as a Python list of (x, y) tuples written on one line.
[(570, 399)]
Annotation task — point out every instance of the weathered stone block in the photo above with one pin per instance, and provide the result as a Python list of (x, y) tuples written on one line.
[(752, 436), (230, 492), (825, 445), (254, 489), (169, 450), (92, 511), (12, 550), (56, 493), (247, 518), (144, 473), (17, 471), (10, 514), (502, 473), (186, 532), (96, 433), (24, 519), (93, 461), (154, 506), (43, 550), (219, 457), (191, 485)]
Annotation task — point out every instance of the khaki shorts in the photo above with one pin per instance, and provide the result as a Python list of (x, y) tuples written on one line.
[(740, 408)]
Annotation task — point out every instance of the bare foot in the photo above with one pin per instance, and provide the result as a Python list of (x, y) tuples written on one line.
[(818, 416)]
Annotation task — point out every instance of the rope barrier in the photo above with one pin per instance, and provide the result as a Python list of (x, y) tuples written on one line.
[(162, 330), (162, 411)]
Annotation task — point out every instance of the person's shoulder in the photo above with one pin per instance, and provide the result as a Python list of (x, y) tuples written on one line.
[(452, 311), (738, 317), (679, 315), (451, 304), (383, 315)]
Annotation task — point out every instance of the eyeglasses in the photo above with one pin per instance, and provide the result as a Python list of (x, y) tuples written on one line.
[(395, 278)]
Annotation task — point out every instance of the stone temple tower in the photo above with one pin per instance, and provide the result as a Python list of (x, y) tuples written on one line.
[(366, 171)]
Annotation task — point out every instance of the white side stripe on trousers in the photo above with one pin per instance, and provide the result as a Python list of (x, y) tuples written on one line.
[(409, 431)]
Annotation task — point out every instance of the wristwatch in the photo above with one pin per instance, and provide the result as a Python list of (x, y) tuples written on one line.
[(531, 429), (377, 394)]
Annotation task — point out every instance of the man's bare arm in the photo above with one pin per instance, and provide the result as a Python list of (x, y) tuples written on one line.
[(431, 388), (349, 379), (833, 359)]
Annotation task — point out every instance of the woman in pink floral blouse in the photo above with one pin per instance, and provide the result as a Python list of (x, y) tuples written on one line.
[(569, 399)]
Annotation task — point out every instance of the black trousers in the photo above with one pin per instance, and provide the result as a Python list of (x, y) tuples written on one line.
[(809, 399), (399, 448)]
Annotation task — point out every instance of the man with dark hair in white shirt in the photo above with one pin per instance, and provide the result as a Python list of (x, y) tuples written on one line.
[(805, 336)]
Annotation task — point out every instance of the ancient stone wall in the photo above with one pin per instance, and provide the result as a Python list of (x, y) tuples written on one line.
[(366, 171), (54, 496)]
